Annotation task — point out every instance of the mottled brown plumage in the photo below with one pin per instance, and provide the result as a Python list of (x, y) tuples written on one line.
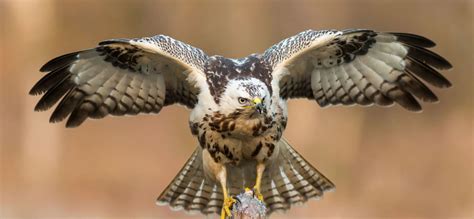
[(239, 108)]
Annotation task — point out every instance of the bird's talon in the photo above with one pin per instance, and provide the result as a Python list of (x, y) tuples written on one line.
[(260, 197), (257, 193), (227, 206)]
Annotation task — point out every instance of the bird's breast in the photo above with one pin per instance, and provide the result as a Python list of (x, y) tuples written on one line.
[(230, 138)]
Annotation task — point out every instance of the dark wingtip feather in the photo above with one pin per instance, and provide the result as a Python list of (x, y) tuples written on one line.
[(112, 41), (405, 99), (73, 123), (54, 94), (351, 31), (66, 106), (34, 92), (59, 62), (427, 73), (49, 80), (417, 88), (413, 39), (428, 57), (79, 115), (411, 104)]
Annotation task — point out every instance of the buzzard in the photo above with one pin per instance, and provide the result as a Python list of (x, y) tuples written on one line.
[(239, 106)]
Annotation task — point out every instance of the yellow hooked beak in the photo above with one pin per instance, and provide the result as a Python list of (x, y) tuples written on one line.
[(256, 101), (258, 105)]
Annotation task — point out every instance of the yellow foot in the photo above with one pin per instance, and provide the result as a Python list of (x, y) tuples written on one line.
[(226, 206), (256, 193)]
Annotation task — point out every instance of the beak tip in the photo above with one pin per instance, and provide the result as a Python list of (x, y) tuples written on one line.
[(260, 108)]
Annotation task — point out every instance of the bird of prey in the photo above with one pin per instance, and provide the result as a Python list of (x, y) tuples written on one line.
[(239, 106)]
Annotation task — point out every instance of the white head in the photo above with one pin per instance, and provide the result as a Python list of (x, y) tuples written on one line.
[(249, 95)]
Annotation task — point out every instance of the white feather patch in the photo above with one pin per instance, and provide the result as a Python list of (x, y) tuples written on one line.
[(394, 48), (385, 38), (374, 78), (389, 59)]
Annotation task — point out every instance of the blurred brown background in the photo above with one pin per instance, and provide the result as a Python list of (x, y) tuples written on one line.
[(385, 162)]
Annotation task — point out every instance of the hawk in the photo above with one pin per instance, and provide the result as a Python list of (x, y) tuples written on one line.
[(239, 106)]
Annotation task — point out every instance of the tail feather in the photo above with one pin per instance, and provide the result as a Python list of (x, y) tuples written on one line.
[(215, 203), (301, 186), (288, 181), (288, 189), (292, 180), (174, 193), (272, 197), (191, 191)]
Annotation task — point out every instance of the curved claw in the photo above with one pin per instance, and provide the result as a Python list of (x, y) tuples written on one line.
[(226, 207), (256, 192)]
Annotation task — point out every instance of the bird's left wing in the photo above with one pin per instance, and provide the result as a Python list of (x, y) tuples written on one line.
[(121, 76), (357, 67)]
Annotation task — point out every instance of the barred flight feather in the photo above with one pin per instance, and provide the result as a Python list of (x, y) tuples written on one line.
[(363, 67), (119, 77)]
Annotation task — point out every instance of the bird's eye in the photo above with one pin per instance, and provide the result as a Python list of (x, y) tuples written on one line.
[(243, 100)]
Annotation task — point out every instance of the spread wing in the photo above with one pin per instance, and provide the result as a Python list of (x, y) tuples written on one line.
[(357, 67), (121, 76)]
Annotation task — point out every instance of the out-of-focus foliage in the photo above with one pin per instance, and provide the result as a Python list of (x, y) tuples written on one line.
[(386, 162)]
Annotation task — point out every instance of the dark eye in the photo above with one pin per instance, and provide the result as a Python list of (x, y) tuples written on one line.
[(243, 100)]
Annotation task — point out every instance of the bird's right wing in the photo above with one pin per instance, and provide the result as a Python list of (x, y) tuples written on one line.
[(357, 67), (121, 76)]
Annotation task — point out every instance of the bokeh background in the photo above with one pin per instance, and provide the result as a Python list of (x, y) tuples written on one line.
[(386, 163)]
